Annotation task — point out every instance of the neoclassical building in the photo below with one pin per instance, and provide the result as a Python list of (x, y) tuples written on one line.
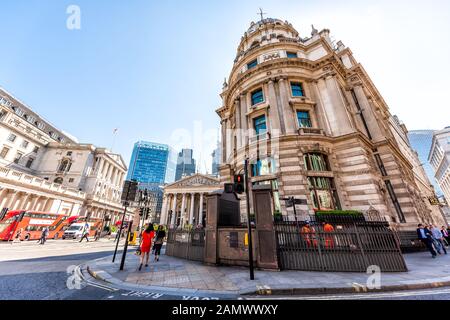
[(184, 202), (314, 126), (45, 169)]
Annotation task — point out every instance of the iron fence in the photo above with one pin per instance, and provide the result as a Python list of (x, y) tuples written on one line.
[(186, 244), (345, 245)]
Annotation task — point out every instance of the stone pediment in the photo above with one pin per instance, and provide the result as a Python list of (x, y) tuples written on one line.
[(194, 181)]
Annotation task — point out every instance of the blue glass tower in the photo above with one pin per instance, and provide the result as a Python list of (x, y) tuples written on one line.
[(153, 165), (421, 141)]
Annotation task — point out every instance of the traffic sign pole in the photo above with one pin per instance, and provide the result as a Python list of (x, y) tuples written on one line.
[(249, 224)]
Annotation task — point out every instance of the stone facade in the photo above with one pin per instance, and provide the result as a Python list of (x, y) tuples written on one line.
[(311, 122), (44, 169), (440, 160)]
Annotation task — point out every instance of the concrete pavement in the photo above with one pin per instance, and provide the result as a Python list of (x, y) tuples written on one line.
[(178, 275)]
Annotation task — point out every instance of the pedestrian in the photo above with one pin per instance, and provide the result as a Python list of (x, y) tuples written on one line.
[(329, 241), (97, 235), (445, 235), (85, 234), (424, 235), (18, 235), (306, 234), (159, 240), (438, 239), (44, 235), (147, 237)]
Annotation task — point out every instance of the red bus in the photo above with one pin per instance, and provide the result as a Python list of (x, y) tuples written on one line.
[(32, 225)]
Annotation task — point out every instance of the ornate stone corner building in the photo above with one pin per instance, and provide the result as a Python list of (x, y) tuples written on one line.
[(315, 127)]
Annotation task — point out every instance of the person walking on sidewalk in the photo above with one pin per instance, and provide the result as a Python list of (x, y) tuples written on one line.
[(438, 239), (44, 235), (18, 235), (445, 235), (146, 245), (424, 235), (159, 240), (85, 233)]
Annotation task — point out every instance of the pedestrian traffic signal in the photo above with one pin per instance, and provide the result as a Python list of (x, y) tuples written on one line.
[(239, 184), (141, 211)]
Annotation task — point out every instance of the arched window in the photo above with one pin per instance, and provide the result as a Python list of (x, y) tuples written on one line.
[(58, 180), (65, 165)]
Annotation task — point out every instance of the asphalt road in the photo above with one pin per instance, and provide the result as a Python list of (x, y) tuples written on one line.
[(430, 294), (29, 271)]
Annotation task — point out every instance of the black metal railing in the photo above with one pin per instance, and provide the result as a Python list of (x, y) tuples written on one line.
[(348, 245)]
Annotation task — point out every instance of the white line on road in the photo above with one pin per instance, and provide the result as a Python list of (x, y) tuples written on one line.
[(360, 296)]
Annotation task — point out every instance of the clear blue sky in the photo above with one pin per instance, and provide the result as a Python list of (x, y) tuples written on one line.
[(151, 68)]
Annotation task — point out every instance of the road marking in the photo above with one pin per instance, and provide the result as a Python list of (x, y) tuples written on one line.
[(360, 296), (80, 274)]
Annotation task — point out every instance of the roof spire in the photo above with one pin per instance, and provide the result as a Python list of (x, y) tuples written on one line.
[(261, 13)]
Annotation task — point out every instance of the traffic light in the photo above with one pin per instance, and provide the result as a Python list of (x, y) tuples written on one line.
[(141, 211), (129, 192), (239, 183), (3, 213), (22, 214)]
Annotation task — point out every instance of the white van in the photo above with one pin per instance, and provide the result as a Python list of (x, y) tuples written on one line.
[(75, 231)]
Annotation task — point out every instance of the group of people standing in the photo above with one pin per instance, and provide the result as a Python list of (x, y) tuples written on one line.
[(309, 235), (435, 239), (147, 237)]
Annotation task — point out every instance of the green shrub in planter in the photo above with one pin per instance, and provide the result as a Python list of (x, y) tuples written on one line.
[(278, 216), (340, 215)]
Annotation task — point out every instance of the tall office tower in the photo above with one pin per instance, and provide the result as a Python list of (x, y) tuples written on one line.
[(153, 165), (185, 164)]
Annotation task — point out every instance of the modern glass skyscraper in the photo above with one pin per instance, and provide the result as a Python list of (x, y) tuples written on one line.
[(421, 141), (185, 164), (153, 165)]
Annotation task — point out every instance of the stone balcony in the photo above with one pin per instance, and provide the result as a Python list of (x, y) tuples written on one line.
[(17, 177), (311, 131)]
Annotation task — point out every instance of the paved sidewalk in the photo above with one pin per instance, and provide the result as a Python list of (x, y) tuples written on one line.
[(175, 274)]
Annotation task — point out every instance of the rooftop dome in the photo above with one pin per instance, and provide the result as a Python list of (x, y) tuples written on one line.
[(254, 26)]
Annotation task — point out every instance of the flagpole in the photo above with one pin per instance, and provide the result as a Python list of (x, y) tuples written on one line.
[(114, 138)]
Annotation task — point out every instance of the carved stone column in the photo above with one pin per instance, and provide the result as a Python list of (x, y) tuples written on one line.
[(174, 210), (289, 117), (191, 213), (200, 210), (274, 114), (244, 120), (183, 209)]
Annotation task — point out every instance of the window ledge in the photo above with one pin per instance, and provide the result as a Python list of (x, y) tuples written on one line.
[(310, 131), (261, 137)]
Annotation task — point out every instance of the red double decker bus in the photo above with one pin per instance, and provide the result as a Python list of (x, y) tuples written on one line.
[(32, 223)]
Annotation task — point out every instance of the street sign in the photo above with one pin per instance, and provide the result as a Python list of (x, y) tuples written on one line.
[(291, 201)]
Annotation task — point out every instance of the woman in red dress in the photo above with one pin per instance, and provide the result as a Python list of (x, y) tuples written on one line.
[(146, 245)]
